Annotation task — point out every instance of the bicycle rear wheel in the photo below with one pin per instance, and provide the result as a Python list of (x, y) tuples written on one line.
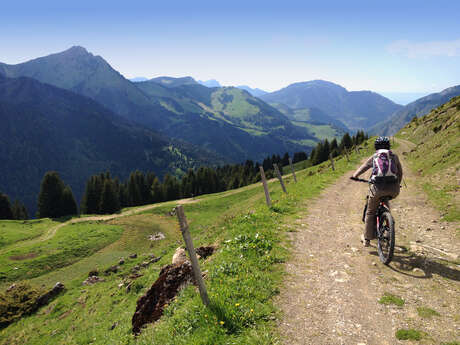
[(386, 237)]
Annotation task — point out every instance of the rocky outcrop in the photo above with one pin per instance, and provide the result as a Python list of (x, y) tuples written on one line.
[(150, 306), (93, 280), (47, 297)]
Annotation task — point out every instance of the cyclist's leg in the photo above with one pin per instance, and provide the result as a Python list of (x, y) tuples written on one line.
[(372, 205)]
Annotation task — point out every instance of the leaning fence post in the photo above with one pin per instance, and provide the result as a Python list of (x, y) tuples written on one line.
[(191, 252), (346, 154), (292, 168), (264, 182), (332, 162), (280, 178)]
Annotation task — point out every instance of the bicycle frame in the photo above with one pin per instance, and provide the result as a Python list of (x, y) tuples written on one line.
[(383, 206)]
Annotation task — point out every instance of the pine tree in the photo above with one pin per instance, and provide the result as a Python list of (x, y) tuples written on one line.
[(334, 148), (50, 196), (123, 195), (171, 188), (346, 142), (156, 190), (5, 207), (69, 205), (109, 198), (285, 160), (300, 156), (19, 211), (92, 197), (149, 178)]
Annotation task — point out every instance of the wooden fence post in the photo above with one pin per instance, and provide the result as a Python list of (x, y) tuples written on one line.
[(332, 162), (356, 150), (280, 178), (191, 252), (292, 168), (346, 154), (264, 182)]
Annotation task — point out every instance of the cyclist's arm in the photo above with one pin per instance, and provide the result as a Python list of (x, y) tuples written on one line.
[(399, 167), (363, 168)]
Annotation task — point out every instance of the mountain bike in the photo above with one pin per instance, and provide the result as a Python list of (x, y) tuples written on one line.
[(385, 227)]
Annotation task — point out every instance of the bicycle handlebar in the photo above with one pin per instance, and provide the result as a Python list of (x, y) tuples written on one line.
[(360, 180)]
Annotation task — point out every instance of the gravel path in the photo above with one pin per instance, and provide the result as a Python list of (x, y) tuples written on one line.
[(333, 284)]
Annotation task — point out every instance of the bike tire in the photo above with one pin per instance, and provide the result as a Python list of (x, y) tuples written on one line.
[(386, 238)]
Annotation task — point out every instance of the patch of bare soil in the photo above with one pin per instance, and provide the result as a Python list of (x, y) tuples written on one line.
[(333, 284), (23, 257)]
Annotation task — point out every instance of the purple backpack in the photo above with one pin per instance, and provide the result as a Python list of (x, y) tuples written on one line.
[(384, 164)]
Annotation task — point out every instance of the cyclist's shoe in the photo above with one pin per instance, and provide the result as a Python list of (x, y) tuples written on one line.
[(365, 242)]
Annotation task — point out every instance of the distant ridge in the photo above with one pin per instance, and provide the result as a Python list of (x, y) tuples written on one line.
[(174, 82), (210, 83), (356, 109), (138, 79), (255, 92), (417, 108)]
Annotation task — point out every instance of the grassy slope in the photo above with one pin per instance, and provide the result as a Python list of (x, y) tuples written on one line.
[(12, 231), (70, 244), (436, 156), (320, 131), (243, 276)]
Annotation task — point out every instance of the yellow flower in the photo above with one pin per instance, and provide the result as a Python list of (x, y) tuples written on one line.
[(222, 322), (237, 304), (252, 310)]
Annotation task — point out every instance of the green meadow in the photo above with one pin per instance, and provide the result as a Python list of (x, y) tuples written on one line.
[(243, 275)]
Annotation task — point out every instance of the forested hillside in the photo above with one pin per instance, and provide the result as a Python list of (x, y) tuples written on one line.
[(47, 128)]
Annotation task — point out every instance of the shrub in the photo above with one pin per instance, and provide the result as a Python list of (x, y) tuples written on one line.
[(388, 298), (408, 334), (16, 302)]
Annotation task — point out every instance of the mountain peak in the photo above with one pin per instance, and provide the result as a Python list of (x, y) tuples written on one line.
[(317, 83), (174, 82), (76, 50), (210, 83)]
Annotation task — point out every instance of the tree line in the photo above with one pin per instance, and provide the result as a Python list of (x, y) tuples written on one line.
[(105, 194), (17, 210), (325, 149)]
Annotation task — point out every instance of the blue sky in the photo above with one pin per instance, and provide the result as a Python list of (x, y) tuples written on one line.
[(390, 46)]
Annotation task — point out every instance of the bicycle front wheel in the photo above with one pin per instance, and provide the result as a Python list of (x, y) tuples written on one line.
[(386, 237)]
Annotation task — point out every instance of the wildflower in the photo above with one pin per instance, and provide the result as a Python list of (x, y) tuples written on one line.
[(252, 310), (221, 322), (237, 304)]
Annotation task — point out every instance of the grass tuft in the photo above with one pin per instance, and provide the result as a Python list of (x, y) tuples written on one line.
[(409, 334), (427, 312), (389, 299)]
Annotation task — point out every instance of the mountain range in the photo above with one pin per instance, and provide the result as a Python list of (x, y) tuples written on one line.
[(163, 124), (356, 109), (177, 107)]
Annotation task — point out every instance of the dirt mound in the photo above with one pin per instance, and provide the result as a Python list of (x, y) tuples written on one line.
[(204, 252), (150, 307)]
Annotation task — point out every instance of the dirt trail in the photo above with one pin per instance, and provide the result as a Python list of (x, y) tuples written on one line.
[(333, 284), (52, 231)]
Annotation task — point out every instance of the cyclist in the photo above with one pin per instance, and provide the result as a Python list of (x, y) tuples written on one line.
[(386, 178)]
